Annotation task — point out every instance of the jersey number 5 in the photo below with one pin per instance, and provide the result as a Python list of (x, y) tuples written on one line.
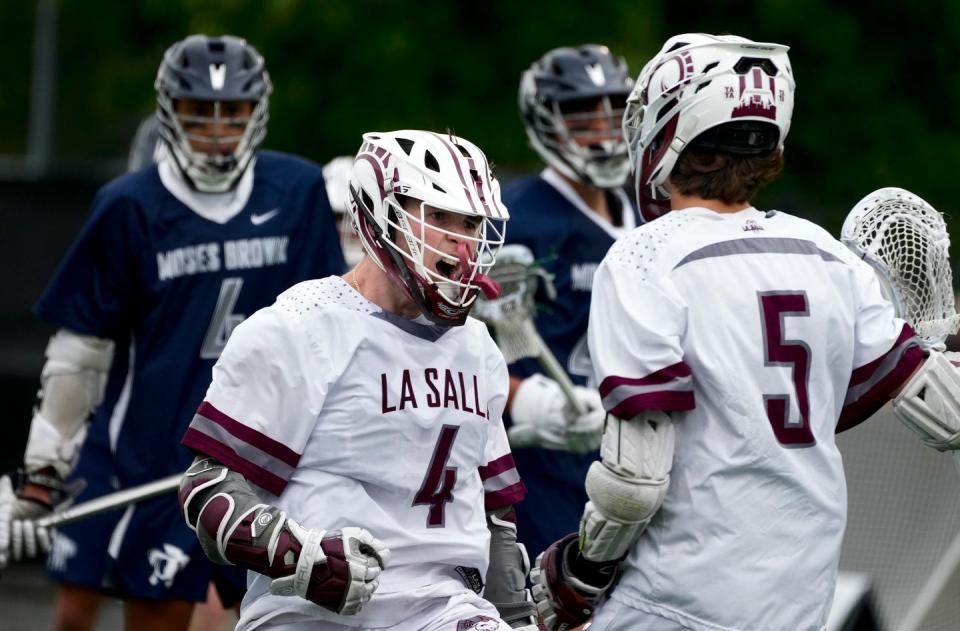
[(775, 307), (437, 487)]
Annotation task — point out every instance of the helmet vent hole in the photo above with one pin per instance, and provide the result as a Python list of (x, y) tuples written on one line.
[(676, 46), (439, 188), (746, 63), (710, 67), (184, 84), (216, 46), (365, 198), (406, 144), (184, 61), (430, 161), (463, 151), (702, 86)]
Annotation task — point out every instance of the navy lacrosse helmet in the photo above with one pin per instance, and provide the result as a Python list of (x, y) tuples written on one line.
[(217, 70), (572, 102)]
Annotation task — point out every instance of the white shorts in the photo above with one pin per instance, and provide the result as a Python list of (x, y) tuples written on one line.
[(461, 612)]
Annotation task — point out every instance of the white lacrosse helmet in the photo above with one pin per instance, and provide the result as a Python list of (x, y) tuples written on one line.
[(440, 171), (905, 239), (726, 92)]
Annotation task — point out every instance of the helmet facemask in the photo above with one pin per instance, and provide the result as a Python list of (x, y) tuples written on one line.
[(408, 216), (583, 139), (215, 170)]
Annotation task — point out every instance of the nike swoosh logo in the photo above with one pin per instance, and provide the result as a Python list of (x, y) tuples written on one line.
[(256, 219)]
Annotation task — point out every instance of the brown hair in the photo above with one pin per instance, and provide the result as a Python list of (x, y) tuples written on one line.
[(729, 177)]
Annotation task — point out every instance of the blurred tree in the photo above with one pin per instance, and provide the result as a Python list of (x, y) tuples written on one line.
[(876, 102)]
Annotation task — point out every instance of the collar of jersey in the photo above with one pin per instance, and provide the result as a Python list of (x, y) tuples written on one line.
[(216, 207), (554, 179), (748, 212)]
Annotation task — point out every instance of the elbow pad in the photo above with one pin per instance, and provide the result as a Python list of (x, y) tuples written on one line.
[(628, 485), (72, 385)]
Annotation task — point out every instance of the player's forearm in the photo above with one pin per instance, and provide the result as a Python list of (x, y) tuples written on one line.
[(506, 577), (233, 525), (72, 385)]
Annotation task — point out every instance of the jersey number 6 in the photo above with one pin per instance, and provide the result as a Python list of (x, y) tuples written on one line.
[(775, 307)]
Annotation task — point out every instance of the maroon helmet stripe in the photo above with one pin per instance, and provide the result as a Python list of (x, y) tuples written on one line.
[(456, 163)]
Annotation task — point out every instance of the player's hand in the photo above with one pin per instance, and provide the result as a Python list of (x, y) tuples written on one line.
[(542, 417), (338, 570), (33, 499), (521, 615), (563, 599), (7, 498)]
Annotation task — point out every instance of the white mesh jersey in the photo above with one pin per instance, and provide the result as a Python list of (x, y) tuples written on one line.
[(763, 336), (346, 415)]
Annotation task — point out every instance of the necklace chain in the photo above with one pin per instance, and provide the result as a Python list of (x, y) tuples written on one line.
[(356, 282)]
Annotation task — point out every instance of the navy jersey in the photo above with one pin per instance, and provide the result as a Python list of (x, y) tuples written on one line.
[(569, 240), (169, 285)]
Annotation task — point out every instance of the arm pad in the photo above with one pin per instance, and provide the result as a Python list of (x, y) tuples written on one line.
[(506, 584), (628, 485), (929, 403), (338, 570), (234, 527), (72, 384)]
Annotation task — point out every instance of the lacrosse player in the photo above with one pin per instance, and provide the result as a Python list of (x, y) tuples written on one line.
[(571, 102), (351, 449), (731, 344), (172, 258)]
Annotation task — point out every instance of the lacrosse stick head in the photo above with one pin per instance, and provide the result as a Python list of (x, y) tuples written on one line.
[(905, 239), (511, 313)]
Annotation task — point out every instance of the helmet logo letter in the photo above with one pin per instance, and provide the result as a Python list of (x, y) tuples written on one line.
[(595, 72), (218, 75)]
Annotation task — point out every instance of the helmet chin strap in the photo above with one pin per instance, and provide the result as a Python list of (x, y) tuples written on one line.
[(489, 287)]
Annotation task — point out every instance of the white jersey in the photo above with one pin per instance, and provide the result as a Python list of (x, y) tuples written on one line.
[(352, 416), (763, 336)]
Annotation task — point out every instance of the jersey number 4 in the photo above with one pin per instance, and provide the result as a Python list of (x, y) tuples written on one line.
[(437, 487), (775, 307)]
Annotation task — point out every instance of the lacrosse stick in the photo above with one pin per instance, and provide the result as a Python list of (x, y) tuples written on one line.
[(111, 501), (511, 315), (906, 242)]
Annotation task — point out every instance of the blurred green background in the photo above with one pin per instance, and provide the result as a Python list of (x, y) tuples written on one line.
[(877, 98)]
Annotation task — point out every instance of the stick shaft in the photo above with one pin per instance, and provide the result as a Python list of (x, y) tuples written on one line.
[(555, 371), (111, 501)]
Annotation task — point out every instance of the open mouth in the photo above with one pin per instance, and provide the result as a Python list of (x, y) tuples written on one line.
[(447, 269)]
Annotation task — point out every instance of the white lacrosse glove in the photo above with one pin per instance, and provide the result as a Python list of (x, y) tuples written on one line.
[(27, 539), (7, 498), (338, 570), (929, 403), (542, 417)]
